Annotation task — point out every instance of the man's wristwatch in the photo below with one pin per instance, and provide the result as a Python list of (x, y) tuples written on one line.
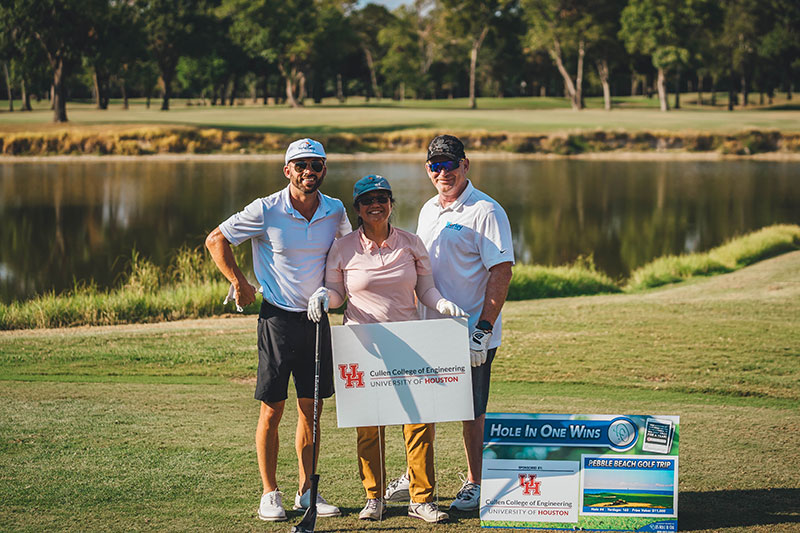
[(484, 325)]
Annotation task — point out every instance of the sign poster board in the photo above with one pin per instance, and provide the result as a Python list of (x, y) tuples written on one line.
[(593, 472), (402, 372)]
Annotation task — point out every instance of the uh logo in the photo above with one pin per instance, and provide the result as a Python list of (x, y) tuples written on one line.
[(530, 486), (352, 375)]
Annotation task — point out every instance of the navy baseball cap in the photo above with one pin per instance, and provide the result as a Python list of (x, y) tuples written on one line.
[(373, 182), (448, 146)]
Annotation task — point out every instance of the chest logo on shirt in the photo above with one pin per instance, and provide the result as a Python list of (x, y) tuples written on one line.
[(453, 225)]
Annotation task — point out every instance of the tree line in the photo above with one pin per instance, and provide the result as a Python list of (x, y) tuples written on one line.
[(217, 51)]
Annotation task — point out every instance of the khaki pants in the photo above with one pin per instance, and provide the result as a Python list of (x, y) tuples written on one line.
[(419, 454)]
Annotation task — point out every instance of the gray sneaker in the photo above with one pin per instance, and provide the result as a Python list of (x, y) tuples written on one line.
[(427, 511), (468, 498), (397, 489), (375, 509)]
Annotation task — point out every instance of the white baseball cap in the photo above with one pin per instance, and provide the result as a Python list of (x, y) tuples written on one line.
[(304, 148)]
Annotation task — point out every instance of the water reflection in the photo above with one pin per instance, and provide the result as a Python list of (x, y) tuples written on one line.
[(66, 223)]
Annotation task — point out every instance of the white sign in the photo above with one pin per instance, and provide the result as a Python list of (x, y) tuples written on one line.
[(402, 372), (530, 491)]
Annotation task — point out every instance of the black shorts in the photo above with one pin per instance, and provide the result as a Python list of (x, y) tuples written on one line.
[(481, 375), (286, 345)]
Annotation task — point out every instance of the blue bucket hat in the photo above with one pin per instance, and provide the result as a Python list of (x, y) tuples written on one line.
[(369, 183)]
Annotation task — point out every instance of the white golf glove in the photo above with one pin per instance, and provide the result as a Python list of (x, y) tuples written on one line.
[(231, 297), (446, 307), (318, 304), (478, 346)]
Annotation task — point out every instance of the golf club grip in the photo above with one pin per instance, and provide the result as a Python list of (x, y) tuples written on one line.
[(312, 504), (315, 422)]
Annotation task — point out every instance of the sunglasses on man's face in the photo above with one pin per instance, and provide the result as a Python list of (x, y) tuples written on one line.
[(369, 200), (316, 166), (445, 166)]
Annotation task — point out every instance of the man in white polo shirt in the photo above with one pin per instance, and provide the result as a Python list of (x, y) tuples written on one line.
[(291, 232), (468, 237)]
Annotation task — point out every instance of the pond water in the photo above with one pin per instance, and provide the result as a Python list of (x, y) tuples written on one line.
[(77, 221)]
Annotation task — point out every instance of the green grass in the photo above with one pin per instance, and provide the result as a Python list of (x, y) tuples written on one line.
[(150, 427), (524, 115), (736, 253), (191, 287)]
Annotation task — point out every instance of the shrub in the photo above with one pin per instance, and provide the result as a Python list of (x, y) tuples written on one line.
[(756, 142), (581, 278), (759, 245), (672, 268)]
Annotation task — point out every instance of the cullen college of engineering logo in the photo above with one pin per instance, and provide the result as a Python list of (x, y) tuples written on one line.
[(354, 377), (530, 487)]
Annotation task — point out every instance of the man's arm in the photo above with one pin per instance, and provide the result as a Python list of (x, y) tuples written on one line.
[(221, 253), (496, 291)]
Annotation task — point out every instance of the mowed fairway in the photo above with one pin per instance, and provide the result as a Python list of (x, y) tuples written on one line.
[(150, 427), (530, 115)]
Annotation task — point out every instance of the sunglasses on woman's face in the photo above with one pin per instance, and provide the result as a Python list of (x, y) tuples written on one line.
[(316, 166), (369, 200), (446, 166)]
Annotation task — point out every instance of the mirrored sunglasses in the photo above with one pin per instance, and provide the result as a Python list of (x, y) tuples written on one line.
[(445, 166), (316, 166), (369, 200)]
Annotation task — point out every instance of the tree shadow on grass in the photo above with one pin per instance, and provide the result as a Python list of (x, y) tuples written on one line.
[(738, 508)]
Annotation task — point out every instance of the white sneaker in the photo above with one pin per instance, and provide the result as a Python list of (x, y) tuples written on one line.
[(397, 489), (271, 508), (427, 511), (375, 509), (468, 498), (323, 507)]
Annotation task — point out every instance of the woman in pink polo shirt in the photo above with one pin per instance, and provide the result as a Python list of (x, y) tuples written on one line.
[(380, 269)]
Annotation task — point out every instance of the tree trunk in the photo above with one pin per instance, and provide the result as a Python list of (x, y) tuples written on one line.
[(373, 77), (8, 87), (713, 90), (678, 89), (234, 89), (166, 79), (579, 77), (602, 71), (100, 97), (52, 96), (266, 89), (124, 88), (301, 87), (59, 92), (289, 78), (745, 94), (569, 86), (699, 90), (473, 65), (26, 96), (339, 89), (662, 90), (634, 83)]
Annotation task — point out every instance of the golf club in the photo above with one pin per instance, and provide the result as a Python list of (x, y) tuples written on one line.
[(309, 520)]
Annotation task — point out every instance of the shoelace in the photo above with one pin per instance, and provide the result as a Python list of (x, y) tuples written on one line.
[(274, 499), (397, 482), (372, 505), (467, 487)]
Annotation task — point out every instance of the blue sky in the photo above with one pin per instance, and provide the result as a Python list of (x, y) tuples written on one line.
[(390, 4)]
